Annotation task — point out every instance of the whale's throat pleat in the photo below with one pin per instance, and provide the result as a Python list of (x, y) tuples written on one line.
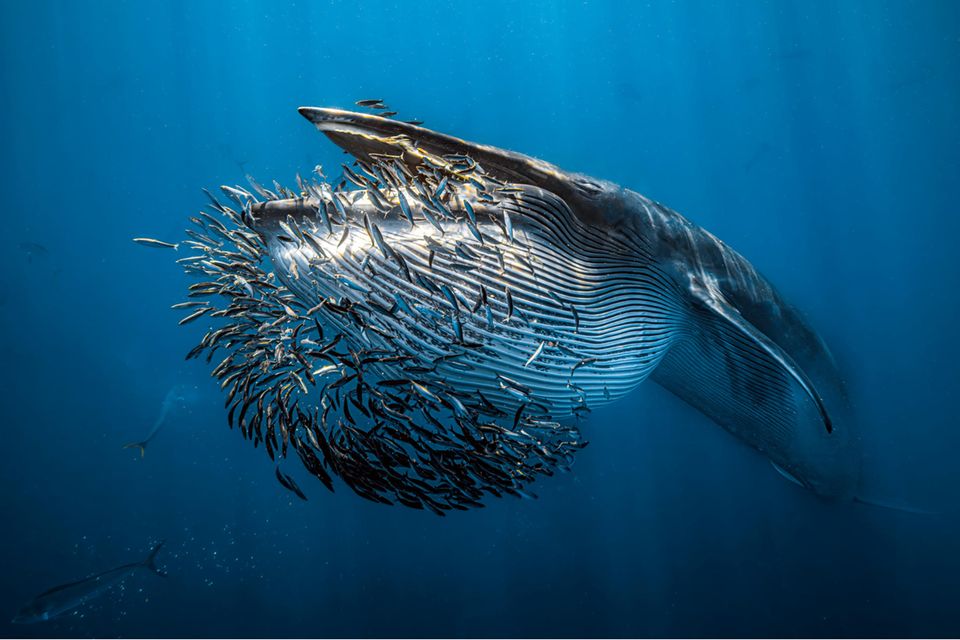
[(576, 316)]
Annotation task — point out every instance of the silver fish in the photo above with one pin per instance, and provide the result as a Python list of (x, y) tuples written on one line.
[(157, 244)]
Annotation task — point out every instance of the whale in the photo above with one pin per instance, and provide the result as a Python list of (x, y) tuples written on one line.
[(472, 304)]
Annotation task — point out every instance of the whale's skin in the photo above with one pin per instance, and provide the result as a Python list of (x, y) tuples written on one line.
[(482, 302)]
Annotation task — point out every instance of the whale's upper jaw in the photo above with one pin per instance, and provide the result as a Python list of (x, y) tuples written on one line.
[(362, 134)]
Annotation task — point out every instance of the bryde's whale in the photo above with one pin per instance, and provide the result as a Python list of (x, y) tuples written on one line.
[(430, 328)]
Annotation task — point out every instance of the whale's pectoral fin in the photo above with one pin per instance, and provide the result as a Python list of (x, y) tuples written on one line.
[(769, 347), (742, 379), (361, 135)]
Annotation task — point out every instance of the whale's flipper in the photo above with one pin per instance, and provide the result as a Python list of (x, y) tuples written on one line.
[(786, 474), (362, 134), (744, 381), (785, 363)]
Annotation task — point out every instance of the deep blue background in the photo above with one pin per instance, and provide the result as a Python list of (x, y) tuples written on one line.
[(820, 139)]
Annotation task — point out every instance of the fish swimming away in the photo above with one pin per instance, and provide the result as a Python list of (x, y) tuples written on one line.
[(33, 250), (67, 597), (432, 334), (174, 395), (156, 244), (289, 484)]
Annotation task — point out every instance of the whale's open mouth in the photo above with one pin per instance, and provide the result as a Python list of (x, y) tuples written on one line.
[(428, 335)]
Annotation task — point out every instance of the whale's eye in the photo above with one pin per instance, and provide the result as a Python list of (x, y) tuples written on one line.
[(588, 187)]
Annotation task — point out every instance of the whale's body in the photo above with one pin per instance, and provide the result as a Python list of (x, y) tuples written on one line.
[(560, 293)]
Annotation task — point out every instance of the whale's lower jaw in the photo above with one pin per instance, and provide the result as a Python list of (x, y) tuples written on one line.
[(586, 322), (428, 350)]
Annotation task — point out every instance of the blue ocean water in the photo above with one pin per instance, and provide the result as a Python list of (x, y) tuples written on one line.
[(820, 139)]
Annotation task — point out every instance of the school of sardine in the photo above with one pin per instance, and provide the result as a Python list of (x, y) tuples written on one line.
[(370, 328)]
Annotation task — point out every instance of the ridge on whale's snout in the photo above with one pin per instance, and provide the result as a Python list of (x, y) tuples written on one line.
[(361, 135)]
